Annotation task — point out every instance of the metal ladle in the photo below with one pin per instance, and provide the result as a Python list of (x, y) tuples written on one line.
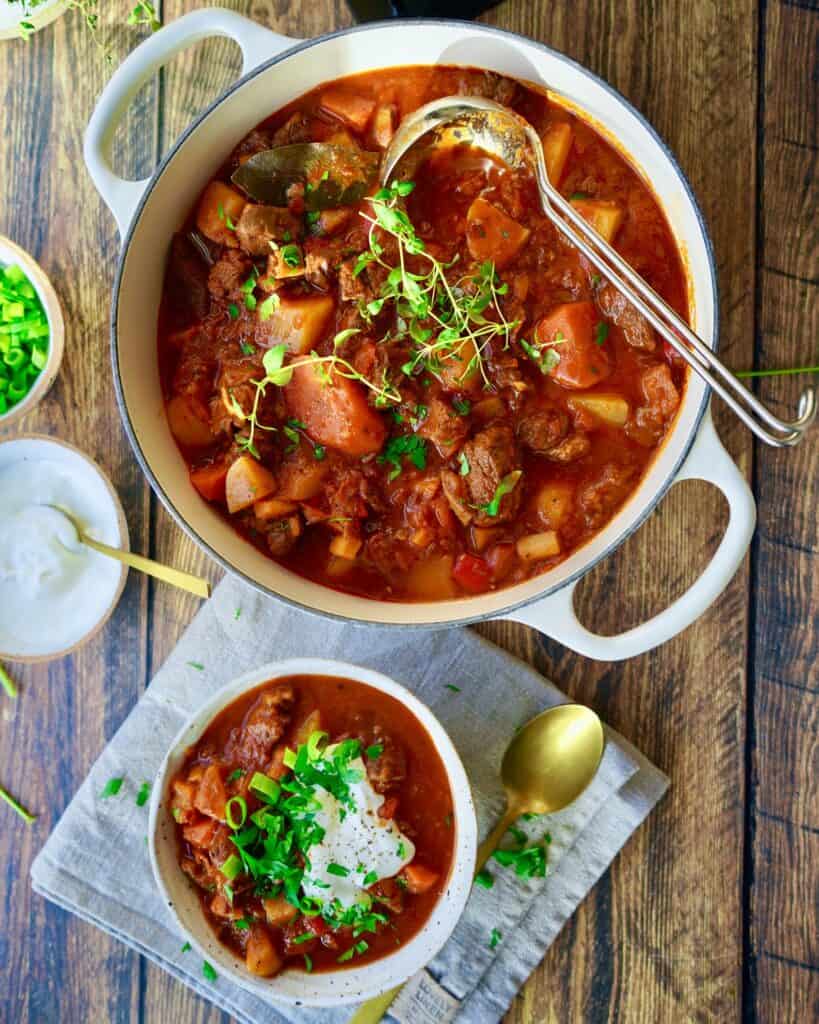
[(473, 120)]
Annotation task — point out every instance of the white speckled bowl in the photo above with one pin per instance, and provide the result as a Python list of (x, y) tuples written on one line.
[(349, 984)]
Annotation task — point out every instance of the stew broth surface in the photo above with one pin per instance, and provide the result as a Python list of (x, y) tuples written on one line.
[(478, 475)]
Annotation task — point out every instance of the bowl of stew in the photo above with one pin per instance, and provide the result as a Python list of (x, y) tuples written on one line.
[(313, 832), (412, 405)]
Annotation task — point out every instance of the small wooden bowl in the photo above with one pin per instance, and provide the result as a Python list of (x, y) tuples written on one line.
[(38, 446), (9, 254)]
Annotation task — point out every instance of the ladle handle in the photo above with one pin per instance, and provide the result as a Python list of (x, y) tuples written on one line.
[(183, 580)]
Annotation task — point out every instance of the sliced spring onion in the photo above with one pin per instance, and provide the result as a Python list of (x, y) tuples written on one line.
[(315, 744), (7, 683), (265, 788), (235, 801), (18, 808), (24, 333), (232, 867)]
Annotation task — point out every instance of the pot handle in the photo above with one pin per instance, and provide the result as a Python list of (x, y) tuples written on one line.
[(707, 460), (257, 44)]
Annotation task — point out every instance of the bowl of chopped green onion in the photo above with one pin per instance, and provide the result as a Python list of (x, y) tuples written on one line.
[(32, 333)]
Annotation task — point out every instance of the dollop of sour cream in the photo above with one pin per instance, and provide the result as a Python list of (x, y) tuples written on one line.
[(53, 589), (355, 840)]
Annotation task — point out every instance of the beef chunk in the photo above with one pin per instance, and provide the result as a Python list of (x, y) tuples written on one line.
[(443, 426), (187, 280), (391, 555), (251, 144), (492, 454), (488, 84), (265, 724), (455, 493), (282, 535), (599, 498), (221, 847), (661, 401), (543, 427), (616, 307), (363, 287), (260, 225), (295, 129), (389, 769), (570, 449), (228, 274)]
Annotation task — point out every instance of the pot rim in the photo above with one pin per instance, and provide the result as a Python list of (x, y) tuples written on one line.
[(483, 616)]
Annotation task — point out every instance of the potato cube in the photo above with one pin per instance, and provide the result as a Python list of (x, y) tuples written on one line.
[(220, 207), (604, 215), (611, 409), (557, 143)]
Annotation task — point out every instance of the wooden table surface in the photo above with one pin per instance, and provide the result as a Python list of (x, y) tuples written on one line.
[(710, 912)]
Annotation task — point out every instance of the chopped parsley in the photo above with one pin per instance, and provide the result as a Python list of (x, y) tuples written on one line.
[(112, 787), (545, 358), (186, 948), (453, 687), (463, 463), (308, 963), (233, 311), (526, 861), (601, 333), (243, 923), (374, 752), (494, 938), (304, 937), (208, 971), (225, 218), (407, 446), (247, 348), (237, 773), (237, 614), (143, 794), (291, 256), (337, 869), (462, 406), (319, 452), (197, 665), (484, 879)]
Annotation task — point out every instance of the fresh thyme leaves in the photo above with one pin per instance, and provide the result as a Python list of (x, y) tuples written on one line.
[(408, 446), (449, 323), (545, 358), (111, 787), (462, 406), (494, 938), (506, 486)]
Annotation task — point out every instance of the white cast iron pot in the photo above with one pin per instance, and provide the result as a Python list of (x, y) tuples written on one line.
[(276, 70), (332, 988)]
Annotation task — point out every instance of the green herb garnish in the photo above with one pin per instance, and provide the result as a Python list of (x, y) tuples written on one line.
[(111, 787), (408, 446), (143, 794), (17, 807), (601, 333), (484, 879), (494, 938), (7, 683), (208, 971), (506, 486)]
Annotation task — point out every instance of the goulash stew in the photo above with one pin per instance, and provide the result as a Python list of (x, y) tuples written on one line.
[(315, 817), (421, 391)]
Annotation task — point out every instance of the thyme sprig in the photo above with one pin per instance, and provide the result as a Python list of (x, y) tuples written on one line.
[(440, 317)]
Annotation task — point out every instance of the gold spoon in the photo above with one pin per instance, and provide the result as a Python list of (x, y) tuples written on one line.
[(183, 580), (546, 767)]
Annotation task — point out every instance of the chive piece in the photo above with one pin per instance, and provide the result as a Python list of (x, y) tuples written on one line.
[(484, 879), (494, 938), (18, 808), (112, 787), (243, 923), (451, 686), (308, 963), (776, 373), (237, 773), (370, 879), (186, 947), (348, 954), (143, 794), (237, 614), (197, 665), (304, 937), (601, 333), (337, 869), (374, 752), (233, 311), (208, 971), (7, 683)]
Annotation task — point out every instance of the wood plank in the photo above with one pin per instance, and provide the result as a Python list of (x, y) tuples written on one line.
[(656, 940), (49, 737), (784, 813), (660, 937)]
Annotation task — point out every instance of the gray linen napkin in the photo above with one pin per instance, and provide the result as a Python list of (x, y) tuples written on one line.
[(96, 865)]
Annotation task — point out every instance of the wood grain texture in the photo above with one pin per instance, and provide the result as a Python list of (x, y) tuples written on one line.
[(783, 883), (661, 937)]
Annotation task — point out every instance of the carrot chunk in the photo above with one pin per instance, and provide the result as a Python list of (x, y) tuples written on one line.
[(336, 413), (570, 331), (210, 481), (418, 878), (352, 109)]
